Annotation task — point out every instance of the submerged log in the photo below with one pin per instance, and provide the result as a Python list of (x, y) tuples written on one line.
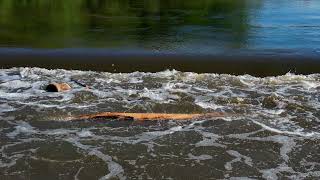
[(148, 116)]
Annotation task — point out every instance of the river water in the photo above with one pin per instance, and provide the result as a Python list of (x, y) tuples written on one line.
[(271, 124), (271, 128)]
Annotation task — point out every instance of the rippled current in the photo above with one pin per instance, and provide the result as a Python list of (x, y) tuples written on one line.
[(271, 128)]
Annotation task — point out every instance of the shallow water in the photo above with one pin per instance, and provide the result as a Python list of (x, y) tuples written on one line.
[(271, 129)]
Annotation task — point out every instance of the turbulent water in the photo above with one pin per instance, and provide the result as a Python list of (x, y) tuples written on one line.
[(271, 128), (271, 124)]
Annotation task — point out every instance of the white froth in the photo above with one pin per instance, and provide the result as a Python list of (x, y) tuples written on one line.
[(56, 132), (310, 85), (275, 112), (200, 158), (13, 161), (85, 133), (209, 139), (162, 133), (298, 132), (4, 77), (238, 158), (6, 108), (287, 145), (77, 174), (22, 128), (15, 84), (246, 80), (271, 174), (208, 105), (115, 169), (15, 96), (167, 73), (149, 94), (240, 178)]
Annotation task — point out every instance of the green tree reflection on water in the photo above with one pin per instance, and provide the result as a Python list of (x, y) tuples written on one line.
[(138, 24)]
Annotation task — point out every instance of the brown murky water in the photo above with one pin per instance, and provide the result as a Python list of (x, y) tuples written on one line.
[(273, 132)]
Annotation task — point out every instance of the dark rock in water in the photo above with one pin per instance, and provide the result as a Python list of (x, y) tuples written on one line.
[(58, 87), (270, 101)]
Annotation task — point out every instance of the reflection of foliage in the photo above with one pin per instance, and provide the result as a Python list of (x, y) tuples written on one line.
[(103, 23)]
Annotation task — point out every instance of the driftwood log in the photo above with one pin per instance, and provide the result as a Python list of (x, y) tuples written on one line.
[(58, 87), (148, 116)]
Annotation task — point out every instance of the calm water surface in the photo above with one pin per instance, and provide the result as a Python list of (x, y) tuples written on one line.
[(272, 127), (203, 26)]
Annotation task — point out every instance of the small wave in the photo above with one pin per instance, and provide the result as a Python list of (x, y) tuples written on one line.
[(22, 128), (298, 132)]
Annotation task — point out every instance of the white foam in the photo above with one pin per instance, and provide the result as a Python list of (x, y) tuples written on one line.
[(29, 73), (209, 139), (15, 96), (56, 132), (134, 80), (4, 77), (272, 173), (22, 128), (13, 161), (6, 108), (310, 85), (238, 158), (240, 178), (287, 145), (246, 80), (275, 112), (167, 73), (208, 105), (107, 81), (85, 133), (166, 132), (115, 169), (200, 158), (298, 132), (152, 95), (15, 84), (77, 174)]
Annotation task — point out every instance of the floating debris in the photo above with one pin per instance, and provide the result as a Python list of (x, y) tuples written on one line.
[(58, 87), (149, 116)]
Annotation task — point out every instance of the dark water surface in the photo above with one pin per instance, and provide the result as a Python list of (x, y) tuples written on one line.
[(35, 30), (202, 26), (187, 26), (272, 127)]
